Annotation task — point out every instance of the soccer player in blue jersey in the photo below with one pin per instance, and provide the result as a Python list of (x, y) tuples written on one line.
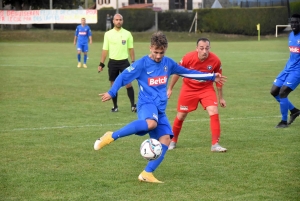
[(289, 78), (152, 73), (82, 36)]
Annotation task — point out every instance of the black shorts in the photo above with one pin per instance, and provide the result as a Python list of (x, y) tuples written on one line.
[(115, 67)]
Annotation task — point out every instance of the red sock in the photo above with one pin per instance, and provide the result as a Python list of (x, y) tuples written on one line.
[(177, 125), (215, 128)]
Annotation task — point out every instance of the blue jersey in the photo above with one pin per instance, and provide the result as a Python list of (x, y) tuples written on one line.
[(83, 34), (293, 64), (152, 78)]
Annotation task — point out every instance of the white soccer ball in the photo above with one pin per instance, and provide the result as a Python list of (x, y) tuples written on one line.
[(151, 149)]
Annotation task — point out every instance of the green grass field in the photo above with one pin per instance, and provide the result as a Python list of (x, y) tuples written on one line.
[(51, 115)]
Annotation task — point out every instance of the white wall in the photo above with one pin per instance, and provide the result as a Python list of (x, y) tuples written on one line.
[(163, 4)]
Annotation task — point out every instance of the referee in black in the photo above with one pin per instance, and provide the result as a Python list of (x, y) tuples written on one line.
[(117, 43)]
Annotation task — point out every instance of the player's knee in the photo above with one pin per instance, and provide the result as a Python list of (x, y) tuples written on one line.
[(166, 140), (284, 92), (274, 90), (152, 124), (181, 116)]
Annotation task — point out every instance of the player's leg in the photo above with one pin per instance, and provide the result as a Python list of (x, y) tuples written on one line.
[(162, 133), (130, 91), (209, 102), (187, 102), (79, 49), (275, 93), (282, 86), (85, 51), (141, 126), (275, 90), (113, 73), (130, 94), (177, 126), (291, 83)]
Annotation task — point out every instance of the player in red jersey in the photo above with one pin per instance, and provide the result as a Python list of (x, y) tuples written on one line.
[(193, 91)]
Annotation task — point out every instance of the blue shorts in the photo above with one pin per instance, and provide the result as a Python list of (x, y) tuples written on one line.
[(291, 80), (82, 47), (149, 111)]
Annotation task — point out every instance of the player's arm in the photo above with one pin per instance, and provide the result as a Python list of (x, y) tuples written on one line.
[(132, 55), (197, 75), (102, 60), (90, 35), (220, 86), (75, 36), (75, 39), (174, 79), (104, 53), (220, 95), (130, 48), (126, 77)]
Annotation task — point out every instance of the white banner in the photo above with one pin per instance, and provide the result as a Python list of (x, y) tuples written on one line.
[(47, 16)]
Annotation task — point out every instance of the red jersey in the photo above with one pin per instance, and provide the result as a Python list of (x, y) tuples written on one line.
[(210, 65)]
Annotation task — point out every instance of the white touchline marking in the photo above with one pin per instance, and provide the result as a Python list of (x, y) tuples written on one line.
[(122, 124)]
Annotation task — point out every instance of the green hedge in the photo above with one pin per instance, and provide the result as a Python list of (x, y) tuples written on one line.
[(226, 20), (241, 20), (295, 7)]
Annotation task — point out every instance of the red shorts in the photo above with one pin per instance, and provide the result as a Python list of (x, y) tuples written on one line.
[(188, 100)]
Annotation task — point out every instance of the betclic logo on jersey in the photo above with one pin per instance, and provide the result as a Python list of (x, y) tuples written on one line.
[(155, 81), (294, 49)]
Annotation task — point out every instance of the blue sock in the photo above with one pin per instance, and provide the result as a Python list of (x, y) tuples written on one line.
[(152, 165), (131, 128), (291, 106), (84, 58), (78, 57), (284, 108)]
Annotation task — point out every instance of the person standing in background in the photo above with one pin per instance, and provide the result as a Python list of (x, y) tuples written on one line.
[(108, 22), (117, 42), (83, 35)]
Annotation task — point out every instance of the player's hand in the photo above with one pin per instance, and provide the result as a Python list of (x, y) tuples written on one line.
[(220, 79), (105, 96), (169, 93), (222, 102), (99, 69)]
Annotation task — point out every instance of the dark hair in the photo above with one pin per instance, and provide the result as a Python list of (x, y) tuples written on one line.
[(296, 15), (159, 40), (203, 39)]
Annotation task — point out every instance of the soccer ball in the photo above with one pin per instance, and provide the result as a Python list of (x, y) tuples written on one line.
[(151, 149)]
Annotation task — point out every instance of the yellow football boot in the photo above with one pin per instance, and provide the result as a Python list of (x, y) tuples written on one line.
[(104, 140), (148, 177)]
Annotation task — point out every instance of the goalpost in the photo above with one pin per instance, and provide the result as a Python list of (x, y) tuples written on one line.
[(281, 26)]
